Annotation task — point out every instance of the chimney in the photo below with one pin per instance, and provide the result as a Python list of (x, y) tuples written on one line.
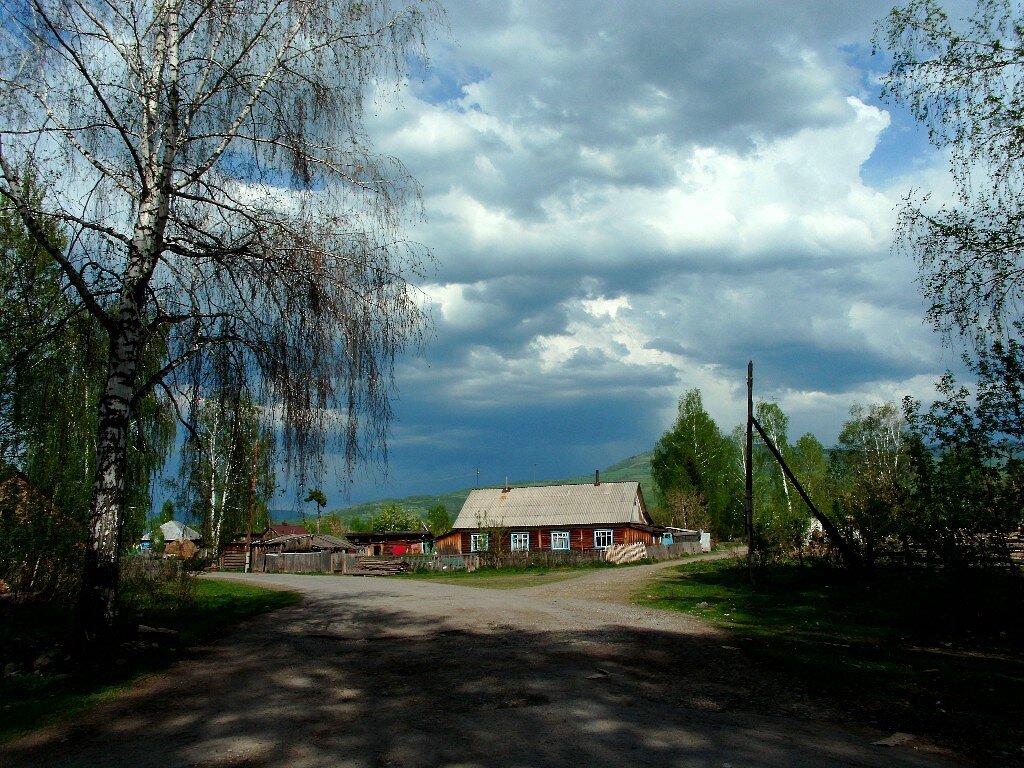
[(597, 477)]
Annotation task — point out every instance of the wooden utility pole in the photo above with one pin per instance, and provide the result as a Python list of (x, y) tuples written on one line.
[(252, 500), (748, 470)]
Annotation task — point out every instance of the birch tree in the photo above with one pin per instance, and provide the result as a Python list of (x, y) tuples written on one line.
[(877, 477), (209, 167), (692, 466), (227, 467)]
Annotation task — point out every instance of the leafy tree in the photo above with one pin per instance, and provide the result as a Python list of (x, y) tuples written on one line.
[(694, 461), (334, 524), (316, 496), (438, 519), (961, 80), (227, 468), (51, 372), (215, 199), (394, 518), (973, 495), (810, 463), (166, 511), (359, 524), (781, 520), (876, 473)]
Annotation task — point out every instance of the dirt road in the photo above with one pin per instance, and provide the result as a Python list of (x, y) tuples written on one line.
[(392, 672)]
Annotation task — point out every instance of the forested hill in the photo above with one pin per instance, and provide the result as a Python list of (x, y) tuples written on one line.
[(634, 468)]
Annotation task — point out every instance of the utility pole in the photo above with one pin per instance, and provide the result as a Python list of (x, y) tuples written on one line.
[(748, 471), (252, 500)]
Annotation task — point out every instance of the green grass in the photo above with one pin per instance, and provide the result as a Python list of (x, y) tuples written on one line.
[(30, 700), (933, 654)]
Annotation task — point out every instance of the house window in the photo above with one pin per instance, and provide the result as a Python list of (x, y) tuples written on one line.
[(479, 542), (603, 538), (559, 540), (521, 541)]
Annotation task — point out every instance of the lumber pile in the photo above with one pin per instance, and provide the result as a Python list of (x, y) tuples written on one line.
[(379, 566)]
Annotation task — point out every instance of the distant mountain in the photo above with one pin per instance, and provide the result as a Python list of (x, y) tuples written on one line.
[(634, 468)]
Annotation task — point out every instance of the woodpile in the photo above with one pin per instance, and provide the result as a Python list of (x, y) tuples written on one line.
[(377, 566)]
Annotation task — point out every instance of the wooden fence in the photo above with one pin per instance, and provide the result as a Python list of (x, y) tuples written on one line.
[(680, 548), (300, 562), (339, 562)]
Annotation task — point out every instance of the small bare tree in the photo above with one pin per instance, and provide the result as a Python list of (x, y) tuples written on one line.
[(208, 165)]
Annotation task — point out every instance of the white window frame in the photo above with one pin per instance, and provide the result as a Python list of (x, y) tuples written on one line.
[(605, 534), (561, 536), (475, 540), (520, 541)]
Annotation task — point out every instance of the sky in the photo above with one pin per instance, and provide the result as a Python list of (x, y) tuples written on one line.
[(628, 200)]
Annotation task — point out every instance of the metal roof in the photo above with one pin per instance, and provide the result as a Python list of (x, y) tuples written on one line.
[(317, 540), (174, 530), (553, 505)]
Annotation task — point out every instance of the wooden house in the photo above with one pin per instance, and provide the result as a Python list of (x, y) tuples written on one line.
[(584, 518)]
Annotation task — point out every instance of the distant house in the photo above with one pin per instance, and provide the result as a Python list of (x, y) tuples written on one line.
[(394, 543), (583, 517), (173, 531)]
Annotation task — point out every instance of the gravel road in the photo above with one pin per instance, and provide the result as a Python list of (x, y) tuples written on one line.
[(374, 672)]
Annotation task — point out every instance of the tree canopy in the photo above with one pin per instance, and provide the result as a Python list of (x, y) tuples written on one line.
[(219, 210), (694, 470)]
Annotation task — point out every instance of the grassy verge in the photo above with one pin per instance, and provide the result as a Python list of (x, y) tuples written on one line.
[(64, 686), (933, 654)]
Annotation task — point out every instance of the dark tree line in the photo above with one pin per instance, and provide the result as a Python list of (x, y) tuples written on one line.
[(901, 484)]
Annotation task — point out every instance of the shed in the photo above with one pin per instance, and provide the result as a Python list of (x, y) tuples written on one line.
[(301, 553)]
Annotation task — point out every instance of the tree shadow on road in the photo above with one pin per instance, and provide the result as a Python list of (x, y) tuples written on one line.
[(330, 682)]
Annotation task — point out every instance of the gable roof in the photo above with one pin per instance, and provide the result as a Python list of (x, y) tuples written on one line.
[(554, 505), (316, 541), (174, 531), (281, 529)]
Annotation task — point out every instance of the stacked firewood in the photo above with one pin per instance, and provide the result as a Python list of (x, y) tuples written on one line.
[(369, 566)]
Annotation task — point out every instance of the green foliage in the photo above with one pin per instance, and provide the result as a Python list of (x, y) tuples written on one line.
[(227, 467), (876, 477), (334, 524), (961, 79), (438, 519), (316, 496), (781, 519), (52, 365), (693, 467), (972, 496), (394, 518)]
